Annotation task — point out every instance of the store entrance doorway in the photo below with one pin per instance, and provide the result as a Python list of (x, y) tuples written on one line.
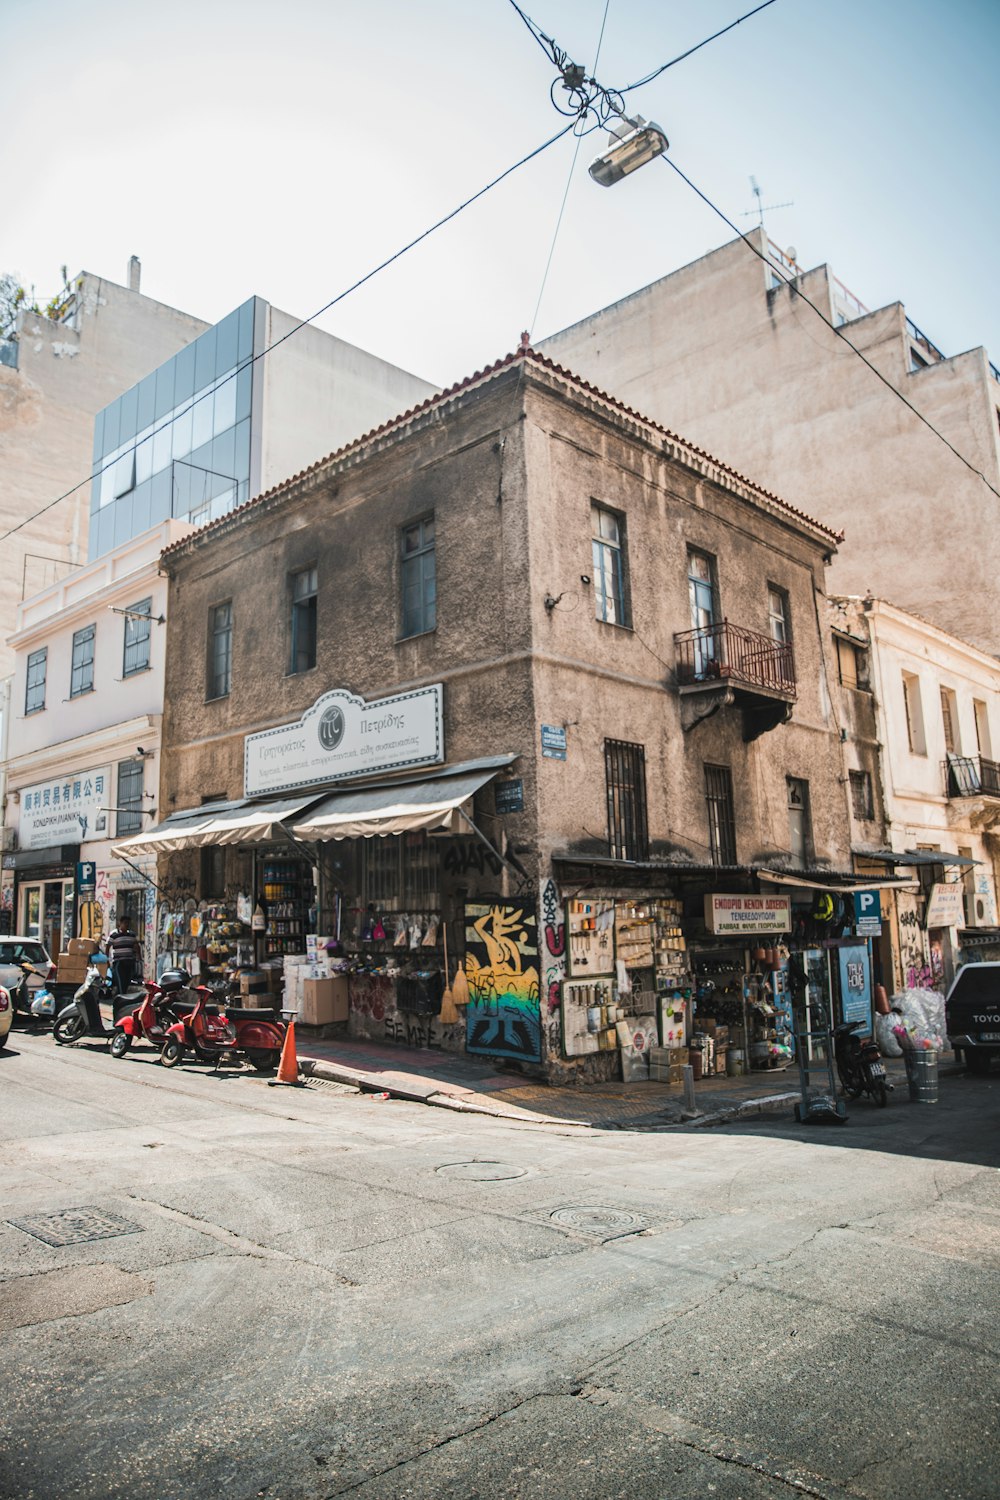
[(45, 912)]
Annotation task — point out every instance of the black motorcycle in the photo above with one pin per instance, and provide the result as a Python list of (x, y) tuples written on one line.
[(859, 1063), (82, 1016)]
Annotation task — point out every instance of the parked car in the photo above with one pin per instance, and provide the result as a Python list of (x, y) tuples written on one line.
[(15, 951), (6, 1016), (972, 1015)]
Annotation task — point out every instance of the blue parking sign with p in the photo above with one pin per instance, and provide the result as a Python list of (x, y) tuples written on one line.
[(867, 913)]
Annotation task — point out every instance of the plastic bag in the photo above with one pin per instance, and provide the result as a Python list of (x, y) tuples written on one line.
[(917, 1020), (885, 1036)]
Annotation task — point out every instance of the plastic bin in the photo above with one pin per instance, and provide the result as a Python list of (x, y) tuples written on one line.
[(922, 1075)]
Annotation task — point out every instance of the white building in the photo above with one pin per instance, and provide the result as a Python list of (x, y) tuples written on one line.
[(83, 748), (937, 717)]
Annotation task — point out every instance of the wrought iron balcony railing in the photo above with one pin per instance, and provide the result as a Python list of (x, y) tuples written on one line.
[(733, 654), (971, 776)]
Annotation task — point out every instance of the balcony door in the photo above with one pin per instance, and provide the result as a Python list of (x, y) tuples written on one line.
[(704, 613)]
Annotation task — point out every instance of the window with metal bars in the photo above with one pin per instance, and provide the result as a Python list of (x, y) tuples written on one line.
[(861, 795), (138, 628), (220, 650), (625, 777), (721, 814), (401, 873), (82, 670), (129, 798)]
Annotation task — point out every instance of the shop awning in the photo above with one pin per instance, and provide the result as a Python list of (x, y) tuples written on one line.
[(377, 811), (836, 884), (220, 823), (916, 857)]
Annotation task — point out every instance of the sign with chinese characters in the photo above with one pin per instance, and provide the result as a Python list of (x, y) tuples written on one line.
[(946, 906), (735, 916), (867, 913), (70, 810), (342, 737), (855, 984)]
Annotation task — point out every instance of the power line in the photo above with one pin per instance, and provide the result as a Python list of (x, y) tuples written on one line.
[(296, 328), (789, 281), (641, 82)]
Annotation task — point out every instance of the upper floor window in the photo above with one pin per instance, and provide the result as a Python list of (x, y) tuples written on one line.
[(610, 580), (34, 689), (303, 591), (721, 814), (861, 796), (852, 664), (129, 798), (625, 784), (949, 720), (138, 628), (82, 669), (914, 714), (777, 615), (220, 650), (799, 826), (982, 721), (418, 577)]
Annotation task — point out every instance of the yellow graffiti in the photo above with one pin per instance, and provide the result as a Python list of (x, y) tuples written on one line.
[(504, 953), (91, 920)]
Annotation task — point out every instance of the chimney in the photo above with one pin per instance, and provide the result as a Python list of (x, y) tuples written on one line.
[(134, 272)]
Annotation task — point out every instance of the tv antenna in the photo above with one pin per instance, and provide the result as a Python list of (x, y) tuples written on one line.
[(759, 212)]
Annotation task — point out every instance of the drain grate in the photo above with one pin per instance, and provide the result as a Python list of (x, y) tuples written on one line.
[(480, 1171), (597, 1219), (75, 1226)]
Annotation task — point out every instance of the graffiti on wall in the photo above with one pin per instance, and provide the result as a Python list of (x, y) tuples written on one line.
[(553, 964), (503, 1017)]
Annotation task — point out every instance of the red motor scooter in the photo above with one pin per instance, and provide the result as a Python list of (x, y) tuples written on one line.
[(160, 1009), (213, 1035)]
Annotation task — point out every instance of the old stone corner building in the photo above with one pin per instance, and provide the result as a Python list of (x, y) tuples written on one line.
[(522, 672)]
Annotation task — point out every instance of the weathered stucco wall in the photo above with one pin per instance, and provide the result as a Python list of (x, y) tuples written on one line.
[(753, 375)]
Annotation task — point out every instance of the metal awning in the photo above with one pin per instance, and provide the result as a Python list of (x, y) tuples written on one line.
[(219, 823), (915, 857), (378, 811), (836, 885)]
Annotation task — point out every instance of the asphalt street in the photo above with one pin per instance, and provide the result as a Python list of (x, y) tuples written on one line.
[(287, 1294)]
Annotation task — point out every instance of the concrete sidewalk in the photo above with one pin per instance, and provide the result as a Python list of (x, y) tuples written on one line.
[(461, 1083)]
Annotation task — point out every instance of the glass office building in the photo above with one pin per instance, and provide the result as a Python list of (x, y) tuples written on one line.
[(178, 444)]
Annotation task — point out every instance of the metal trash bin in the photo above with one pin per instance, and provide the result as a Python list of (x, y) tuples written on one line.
[(922, 1075)]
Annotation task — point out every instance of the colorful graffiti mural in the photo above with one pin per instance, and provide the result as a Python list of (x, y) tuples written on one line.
[(503, 1017)]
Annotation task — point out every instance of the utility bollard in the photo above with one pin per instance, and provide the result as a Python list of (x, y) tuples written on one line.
[(689, 1103)]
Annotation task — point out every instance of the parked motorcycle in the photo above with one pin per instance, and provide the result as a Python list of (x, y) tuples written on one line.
[(82, 1017), (161, 1007), (213, 1035), (859, 1063), (31, 983)]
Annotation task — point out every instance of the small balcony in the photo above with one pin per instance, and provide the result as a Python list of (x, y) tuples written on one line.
[(971, 776), (725, 664)]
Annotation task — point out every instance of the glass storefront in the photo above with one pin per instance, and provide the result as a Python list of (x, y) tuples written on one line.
[(178, 443), (46, 912)]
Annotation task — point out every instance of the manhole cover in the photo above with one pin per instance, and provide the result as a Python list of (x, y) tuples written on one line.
[(481, 1171), (75, 1226), (593, 1218)]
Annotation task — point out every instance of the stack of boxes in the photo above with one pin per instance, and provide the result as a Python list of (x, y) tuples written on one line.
[(666, 1064), (319, 997), (71, 965)]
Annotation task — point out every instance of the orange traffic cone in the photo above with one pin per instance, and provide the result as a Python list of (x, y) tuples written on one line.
[(288, 1066)]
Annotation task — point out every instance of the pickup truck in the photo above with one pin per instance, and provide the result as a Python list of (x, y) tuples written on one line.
[(972, 1015)]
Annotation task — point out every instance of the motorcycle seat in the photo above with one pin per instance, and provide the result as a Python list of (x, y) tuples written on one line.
[(250, 1013)]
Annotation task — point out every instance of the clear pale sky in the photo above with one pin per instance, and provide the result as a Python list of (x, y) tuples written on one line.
[(284, 149)]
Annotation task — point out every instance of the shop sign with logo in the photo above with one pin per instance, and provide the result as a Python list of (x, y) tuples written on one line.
[(69, 810), (867, 913), (342, 737), (946, 907), (738, 916)]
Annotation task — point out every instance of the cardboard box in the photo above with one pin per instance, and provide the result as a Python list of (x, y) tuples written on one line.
[(323, 1001), (253, 983), (85, 946)]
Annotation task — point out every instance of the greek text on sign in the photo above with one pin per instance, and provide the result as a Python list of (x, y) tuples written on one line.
[(342, 737), (736, 915), (70, 810), (946, 907)]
